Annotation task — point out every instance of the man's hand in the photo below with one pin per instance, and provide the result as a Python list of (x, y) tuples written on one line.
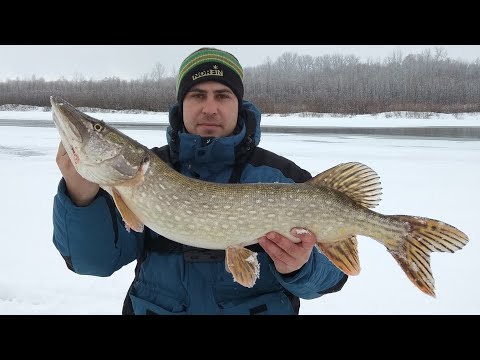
[(81, 191), (287, 255)]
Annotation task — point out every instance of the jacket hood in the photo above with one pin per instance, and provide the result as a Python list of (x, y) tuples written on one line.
[(213, 154)]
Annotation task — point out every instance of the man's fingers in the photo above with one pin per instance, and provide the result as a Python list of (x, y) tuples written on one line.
[(284, 243), (61, 149), (63, 160), (308, 239), (274, 250), (287, 255)]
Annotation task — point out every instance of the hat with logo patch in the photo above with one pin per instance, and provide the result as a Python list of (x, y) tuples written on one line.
[(210, 64)]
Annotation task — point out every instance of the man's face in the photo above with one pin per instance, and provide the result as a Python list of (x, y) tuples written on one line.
[(210, 109)]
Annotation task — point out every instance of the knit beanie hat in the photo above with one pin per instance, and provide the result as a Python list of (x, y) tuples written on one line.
[(210, 64)]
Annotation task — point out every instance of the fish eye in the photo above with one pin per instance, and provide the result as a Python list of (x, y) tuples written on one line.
[(97, 127)]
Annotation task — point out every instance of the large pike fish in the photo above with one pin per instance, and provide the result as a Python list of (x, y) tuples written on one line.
[(335, 205)]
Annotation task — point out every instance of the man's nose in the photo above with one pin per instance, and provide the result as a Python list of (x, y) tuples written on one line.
[(210, 105)]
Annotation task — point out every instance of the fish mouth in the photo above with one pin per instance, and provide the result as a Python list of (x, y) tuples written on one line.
[(68, 120), (96, 157)]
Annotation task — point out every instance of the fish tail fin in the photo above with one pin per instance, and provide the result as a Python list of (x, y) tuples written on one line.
[(423, 237)]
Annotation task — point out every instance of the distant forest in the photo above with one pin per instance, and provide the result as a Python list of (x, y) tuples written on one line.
[(425, 82)]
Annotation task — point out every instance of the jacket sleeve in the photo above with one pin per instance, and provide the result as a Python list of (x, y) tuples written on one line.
[(92, 239), (317, 277)]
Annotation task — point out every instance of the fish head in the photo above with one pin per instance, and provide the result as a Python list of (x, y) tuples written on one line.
[(99, 152)]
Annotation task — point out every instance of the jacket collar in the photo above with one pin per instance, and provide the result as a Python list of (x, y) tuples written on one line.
[(213, 153)]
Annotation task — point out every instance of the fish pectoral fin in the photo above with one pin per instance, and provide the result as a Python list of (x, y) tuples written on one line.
[(131, 220), (343, 254), (139, 177), (242, 263)]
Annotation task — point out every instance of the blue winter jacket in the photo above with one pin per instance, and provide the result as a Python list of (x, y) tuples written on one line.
[(168, 279)]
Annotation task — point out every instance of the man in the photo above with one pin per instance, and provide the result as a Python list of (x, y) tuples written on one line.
[(214, 136)]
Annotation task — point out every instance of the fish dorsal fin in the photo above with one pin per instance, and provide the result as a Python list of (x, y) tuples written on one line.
[(356, 180), (343, 254), (131, 220)]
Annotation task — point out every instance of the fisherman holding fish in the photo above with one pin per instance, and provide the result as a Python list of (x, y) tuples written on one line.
[(213, 136)]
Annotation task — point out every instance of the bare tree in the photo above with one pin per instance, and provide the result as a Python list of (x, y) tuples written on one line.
[(158, 72), (429, 81)]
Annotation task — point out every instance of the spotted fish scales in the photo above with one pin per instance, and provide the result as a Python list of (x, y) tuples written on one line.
[(336, 205)]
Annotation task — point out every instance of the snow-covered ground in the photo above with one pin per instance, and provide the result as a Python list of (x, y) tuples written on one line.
[(436, 178)]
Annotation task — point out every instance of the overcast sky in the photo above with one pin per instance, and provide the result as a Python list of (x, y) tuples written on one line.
[(133, 61)]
